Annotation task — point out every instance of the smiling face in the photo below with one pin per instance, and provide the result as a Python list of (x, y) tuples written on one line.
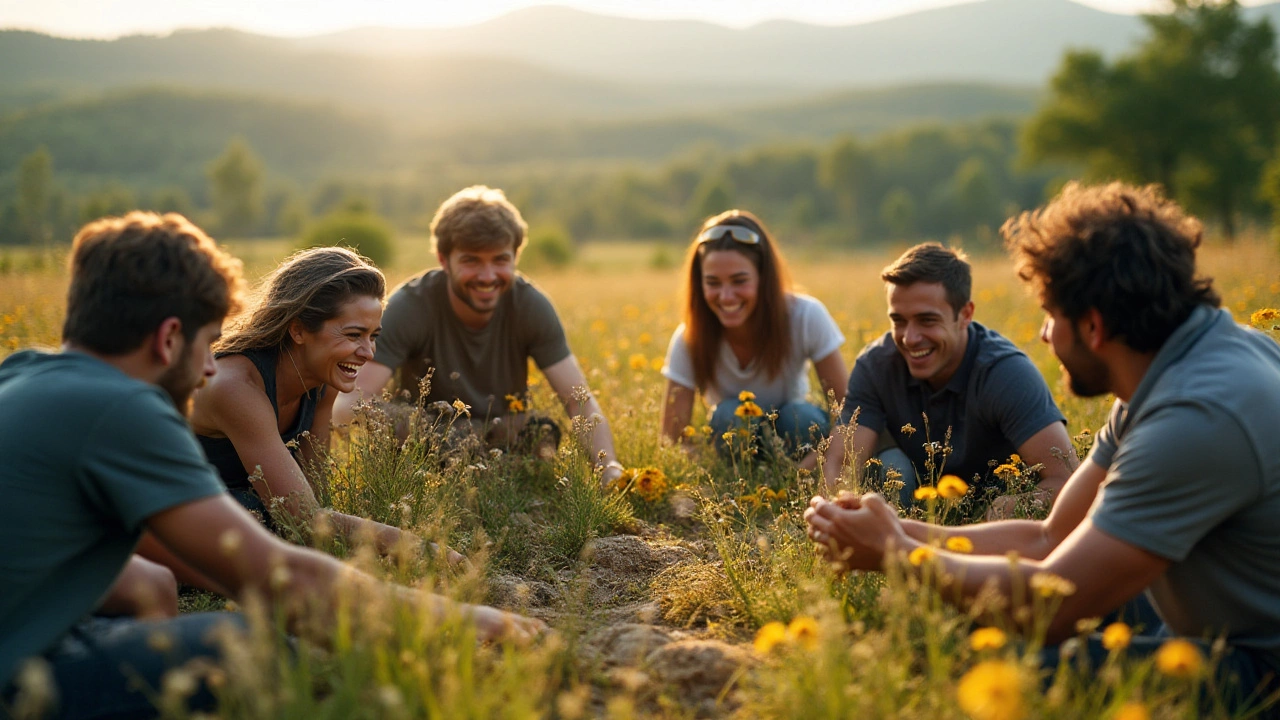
[(477, 280), (928, 332), (730, 283), (333, 354)]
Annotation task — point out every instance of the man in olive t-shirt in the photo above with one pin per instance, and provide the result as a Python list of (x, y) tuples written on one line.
[(473, 324)]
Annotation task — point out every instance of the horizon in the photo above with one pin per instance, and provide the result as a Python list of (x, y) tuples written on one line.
[(287, 18)]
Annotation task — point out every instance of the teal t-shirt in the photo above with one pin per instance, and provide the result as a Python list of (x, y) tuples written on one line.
[(87, 454), (1193, 475)]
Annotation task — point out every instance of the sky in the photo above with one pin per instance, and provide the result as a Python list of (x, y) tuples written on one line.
[(112, 18)]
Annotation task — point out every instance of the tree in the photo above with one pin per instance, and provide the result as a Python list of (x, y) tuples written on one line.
[(35, 197), (235, 180), (1195, 108), (898, 213)]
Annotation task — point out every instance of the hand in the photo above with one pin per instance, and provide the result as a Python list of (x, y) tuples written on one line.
[(854, 532), (493, 625)]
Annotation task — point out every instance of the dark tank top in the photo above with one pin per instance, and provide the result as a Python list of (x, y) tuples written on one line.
[(222, 454)]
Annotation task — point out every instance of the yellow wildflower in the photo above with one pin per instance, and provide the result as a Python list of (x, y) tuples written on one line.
[(656, 363), (645, 338), (992, 690), (959, 544), (650, 484), (598, 327), (1050, 585), (515, 404), (1265, 317), (951, 487), (1007, 472), (705, 429), (1116, 636), (638, 361), (987, 638), (746, 396), (461, 407), (921, 555), (908, 429), (1015, 459), (804, 631), (1132, 711), (748, 409), (1179, 658), (926, 493), (689, 431), (769, 637)]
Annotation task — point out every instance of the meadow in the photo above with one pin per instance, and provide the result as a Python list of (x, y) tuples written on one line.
[(693, 591)]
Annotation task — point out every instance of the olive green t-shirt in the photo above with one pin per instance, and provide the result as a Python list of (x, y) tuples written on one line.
[(87, 454), (481, 367)]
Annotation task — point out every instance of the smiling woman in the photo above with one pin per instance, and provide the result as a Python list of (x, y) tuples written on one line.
[(265, 415)]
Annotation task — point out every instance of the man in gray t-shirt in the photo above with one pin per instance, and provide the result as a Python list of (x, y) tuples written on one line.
[(940, 379), (1180, 493), (473, 325)]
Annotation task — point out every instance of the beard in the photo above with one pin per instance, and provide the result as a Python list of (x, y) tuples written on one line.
[(182, 380), (1087, 375), (461, 292)]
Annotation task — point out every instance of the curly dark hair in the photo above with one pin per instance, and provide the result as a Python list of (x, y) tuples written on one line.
[(1126, 251), (128, 274)]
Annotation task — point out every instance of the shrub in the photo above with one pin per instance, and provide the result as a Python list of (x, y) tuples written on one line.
[(363, 232)]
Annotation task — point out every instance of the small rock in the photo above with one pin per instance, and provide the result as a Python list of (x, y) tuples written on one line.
[(626, 644), (697, 670), (514, 592)]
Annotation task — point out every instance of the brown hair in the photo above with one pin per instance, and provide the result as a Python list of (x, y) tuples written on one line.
[(310, 286), (1127, 251), (477, 218), (129, 274), (933, 263), (769, 322)]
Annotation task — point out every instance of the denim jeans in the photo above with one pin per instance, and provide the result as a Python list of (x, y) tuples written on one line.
[(894, 459), (799, 424), (112, 668)]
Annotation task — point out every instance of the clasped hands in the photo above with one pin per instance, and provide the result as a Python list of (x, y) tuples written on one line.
[(854, 532)]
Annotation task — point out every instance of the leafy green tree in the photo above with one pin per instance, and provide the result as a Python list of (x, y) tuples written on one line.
[(362, 231), (898, 213), (235, 182), (1195, 108), (35, 197), (114, 199), (713, 196), (846, 170)]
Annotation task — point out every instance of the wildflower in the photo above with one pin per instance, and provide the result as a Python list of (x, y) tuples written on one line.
[(908, 429), (645, 338), (1265, 317), (1015, 459), (992, 690), (959, 544), (951, 487), (1132, 711), (987, 638), (1050, 585), (1007, 472), (1179, 658), (656, 363), (1116, 636), (769, 637), (462, 408), (705, 429), (515, 404), (650, 484), (748, 409), (804, 631), (598, 327), (746, 396), (689, 431), (921, 555), (926, 493), (638, 361)]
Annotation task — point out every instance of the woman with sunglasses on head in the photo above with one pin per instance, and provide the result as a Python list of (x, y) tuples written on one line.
[(263, 419), (745, 331)]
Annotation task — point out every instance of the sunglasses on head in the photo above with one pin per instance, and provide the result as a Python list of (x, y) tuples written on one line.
[(737, 232)]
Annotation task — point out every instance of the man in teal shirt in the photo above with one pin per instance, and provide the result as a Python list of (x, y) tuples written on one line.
[(96, 451)]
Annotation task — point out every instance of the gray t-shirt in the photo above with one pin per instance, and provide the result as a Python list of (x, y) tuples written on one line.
[(994, 403), (87, 454), (479, 367), (1193, 475), (814, 336)]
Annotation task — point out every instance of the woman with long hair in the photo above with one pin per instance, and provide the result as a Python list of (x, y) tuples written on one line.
[(747, 340), (265, 415)]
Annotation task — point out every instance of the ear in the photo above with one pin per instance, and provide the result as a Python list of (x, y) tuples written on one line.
[(168, 341), (444, 262), (1092, 330), (966, 314), (296, 332)]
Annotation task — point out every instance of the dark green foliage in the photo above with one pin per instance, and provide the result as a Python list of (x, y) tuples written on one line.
[(364, 232), (235, 183)]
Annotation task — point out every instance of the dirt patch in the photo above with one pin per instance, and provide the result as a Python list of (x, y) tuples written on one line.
[(700, 672)]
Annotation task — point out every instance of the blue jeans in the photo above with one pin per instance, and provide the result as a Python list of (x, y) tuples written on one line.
[(894, 459), (1243, 676), (799, 424), (111, 668)]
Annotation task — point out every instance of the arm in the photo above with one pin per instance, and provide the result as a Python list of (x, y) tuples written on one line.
[(370, 381), (677, 411), (151, 549), (222, 541), (145, 590), (565, 377), (239, 409)]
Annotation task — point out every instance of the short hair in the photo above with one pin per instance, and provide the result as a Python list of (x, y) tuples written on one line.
[(1126, 251), (129, 274), (770, 319), (311, 287), (478, 218), (933, 263)]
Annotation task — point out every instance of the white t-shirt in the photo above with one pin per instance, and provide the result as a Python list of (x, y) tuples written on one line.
[(814, 336)]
